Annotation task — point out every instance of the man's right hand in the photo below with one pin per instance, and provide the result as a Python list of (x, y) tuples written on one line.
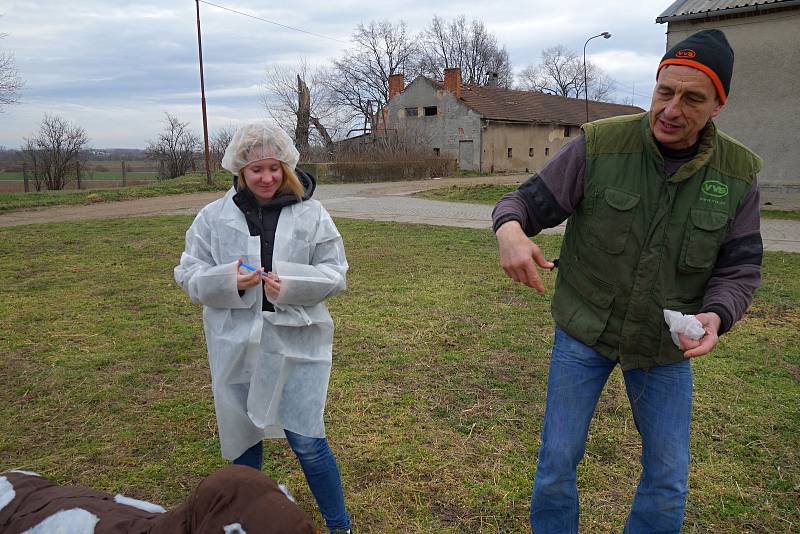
[(518, 254)]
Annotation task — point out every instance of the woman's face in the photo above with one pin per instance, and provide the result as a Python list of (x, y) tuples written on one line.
[(263, 178)]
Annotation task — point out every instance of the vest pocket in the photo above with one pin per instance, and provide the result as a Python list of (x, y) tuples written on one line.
[(582, 303), (702, 238), (612, 220)]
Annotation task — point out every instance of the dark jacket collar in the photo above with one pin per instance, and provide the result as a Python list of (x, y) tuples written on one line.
[(245, 200)]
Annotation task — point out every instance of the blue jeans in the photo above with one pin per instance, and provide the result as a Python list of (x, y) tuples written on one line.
[(321, 471), (661, 400)]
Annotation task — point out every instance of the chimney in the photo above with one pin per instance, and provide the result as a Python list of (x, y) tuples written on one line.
[(397, 83), (452, 81), (492, 80)]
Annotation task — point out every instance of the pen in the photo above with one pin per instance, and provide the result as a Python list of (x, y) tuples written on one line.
[(248, 267), (251, 268)]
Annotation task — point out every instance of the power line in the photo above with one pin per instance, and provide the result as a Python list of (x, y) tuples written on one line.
[(275, 23), (627, 88)]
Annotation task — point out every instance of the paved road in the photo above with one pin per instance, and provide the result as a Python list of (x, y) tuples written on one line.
[(388, 201)]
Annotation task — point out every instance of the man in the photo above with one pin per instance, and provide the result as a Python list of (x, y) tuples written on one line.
[(663, 214)]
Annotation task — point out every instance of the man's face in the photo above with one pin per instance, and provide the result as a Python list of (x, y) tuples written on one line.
[(684, 100)]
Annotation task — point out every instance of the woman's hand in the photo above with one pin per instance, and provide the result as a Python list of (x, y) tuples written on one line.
[(272, 286), (248, 279)]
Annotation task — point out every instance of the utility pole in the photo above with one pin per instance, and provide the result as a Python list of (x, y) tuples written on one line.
[(203, 92)]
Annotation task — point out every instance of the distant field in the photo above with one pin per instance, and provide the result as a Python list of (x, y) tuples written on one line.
[(191, 183), (95, 170), (89, 176)]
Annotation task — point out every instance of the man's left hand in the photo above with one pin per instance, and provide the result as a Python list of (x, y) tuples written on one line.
[(699, 347)]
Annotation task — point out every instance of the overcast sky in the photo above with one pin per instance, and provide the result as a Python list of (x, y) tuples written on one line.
[(114, 68)]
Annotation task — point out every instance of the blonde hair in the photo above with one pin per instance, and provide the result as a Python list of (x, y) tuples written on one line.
[(291, 182)]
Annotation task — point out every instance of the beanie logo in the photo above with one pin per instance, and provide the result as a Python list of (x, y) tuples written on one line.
[(716, 189), (686, 53)]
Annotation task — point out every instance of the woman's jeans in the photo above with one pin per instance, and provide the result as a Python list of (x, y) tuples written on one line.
[(661, 400), (321, 471)]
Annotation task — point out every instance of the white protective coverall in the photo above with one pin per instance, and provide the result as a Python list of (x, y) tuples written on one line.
[(269, 370)]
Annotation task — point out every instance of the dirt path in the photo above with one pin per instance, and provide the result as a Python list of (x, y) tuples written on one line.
[(384, 201), (189, 204)]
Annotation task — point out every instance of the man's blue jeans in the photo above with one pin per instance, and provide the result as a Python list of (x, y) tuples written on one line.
[(321, 471), (661, 400)]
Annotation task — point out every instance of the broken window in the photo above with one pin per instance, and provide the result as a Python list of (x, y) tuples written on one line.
[(412, 112), (567, 131), (431, 110), (435, 151), (547, 151), (509, 152), (530, 152)]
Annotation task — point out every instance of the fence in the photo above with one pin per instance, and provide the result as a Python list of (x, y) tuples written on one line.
[(381, 171), (17, 177), (109, 174)]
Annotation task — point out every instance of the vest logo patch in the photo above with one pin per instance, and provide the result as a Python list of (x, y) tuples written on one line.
[(716, 189)]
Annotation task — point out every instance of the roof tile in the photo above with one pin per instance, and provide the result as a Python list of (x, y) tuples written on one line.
[(503, 104)]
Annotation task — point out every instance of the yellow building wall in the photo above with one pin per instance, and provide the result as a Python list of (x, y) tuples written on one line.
[(531, 145)]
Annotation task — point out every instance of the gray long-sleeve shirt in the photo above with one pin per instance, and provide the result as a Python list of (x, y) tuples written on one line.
[(549, 197)]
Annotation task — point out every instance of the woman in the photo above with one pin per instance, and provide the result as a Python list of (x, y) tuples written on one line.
[(268, 332)]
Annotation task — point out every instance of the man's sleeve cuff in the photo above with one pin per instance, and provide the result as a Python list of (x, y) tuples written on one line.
[(725, 317), (500, 221)]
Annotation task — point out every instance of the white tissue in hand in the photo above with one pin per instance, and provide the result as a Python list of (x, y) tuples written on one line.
[(688, 325)]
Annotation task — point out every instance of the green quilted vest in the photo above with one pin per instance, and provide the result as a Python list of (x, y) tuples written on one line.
[(641, 240)]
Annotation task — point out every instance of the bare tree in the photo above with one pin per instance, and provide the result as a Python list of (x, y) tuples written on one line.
[(54, 152), (174, 149), (297, 97), (560, 72), (220, 139), (467, 45), (359, 80), (10, 82)]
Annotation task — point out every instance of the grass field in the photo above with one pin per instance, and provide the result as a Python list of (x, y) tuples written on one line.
[(490, 194), (436, 398), (185, 184)]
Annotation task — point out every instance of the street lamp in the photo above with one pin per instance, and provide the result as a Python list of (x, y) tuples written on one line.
[(604, 35)]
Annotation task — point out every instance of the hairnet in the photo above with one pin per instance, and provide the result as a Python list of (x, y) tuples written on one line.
[(256, 141)]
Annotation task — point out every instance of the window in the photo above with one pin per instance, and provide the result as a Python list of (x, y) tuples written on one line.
[(509, 152), (431, 110), (530, 152), (412, 112), (567, 131), (435, 151), (547, 151)]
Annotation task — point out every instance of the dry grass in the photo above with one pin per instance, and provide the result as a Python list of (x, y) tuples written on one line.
[(436, 398)]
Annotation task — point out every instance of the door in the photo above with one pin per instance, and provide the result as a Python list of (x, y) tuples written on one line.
[(466, 156)]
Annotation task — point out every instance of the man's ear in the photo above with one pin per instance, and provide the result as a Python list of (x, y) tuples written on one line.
[(717, 109)]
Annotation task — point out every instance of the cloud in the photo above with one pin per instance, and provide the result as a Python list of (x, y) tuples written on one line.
[(115, 67)]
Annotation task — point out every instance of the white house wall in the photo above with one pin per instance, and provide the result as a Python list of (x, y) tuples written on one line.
[(454, 122)]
